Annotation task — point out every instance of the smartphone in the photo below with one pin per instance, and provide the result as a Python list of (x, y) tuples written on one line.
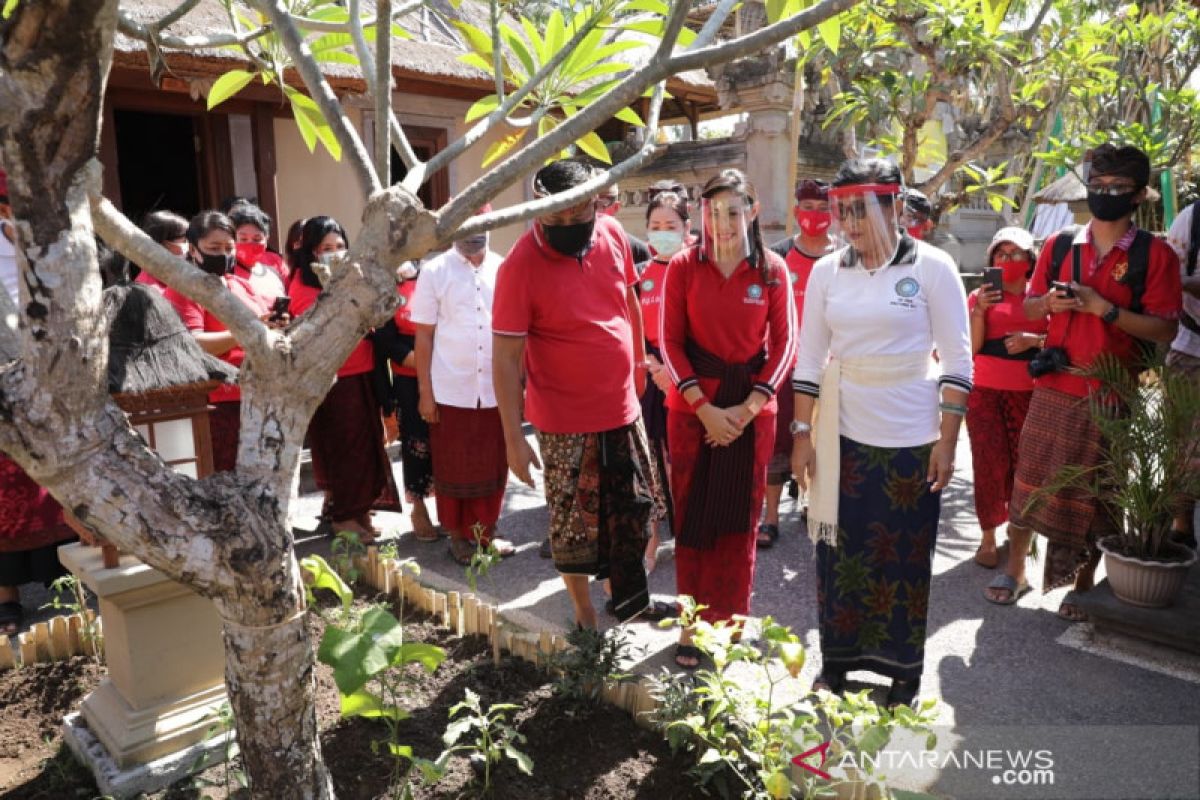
[(1064, 289), (993, 278), (281, 306)]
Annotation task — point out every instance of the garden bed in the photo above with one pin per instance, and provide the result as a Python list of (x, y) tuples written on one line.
[(581, 754)]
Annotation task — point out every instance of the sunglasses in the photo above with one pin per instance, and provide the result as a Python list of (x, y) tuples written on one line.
[(1111, 189)]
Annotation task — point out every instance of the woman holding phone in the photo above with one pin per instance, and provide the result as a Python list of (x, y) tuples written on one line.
[(1003, 341)]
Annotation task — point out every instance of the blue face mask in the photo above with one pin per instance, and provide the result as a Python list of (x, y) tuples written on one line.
[(665, 243)]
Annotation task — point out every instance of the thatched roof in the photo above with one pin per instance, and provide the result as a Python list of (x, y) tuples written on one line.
[(431, 54), (1070, 189), (149, 349)]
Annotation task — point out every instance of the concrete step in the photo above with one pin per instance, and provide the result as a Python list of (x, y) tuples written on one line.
[(1177, 626)]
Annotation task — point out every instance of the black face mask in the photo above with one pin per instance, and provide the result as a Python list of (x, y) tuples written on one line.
[(219, 264), (1109, 207), (570, 240)]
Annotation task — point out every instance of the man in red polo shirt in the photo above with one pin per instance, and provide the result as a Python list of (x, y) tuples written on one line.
[(1098, 314), (565, 309), (799, 252)]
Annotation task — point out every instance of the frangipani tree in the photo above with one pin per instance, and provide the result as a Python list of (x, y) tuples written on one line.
[(1003, 71), (226, 536)]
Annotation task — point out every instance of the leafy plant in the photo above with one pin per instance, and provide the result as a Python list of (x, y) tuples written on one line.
[(344, 552), (744, 737), (1149, 442), (233, 776), (591, 663), (483, 559), (589, 70), (71, 596), (369, 657), (493, 738)]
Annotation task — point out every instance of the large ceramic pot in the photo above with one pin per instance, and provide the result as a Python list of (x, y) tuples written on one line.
[(1149, 584)]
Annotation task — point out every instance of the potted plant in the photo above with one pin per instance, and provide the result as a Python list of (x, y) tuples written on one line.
[(1148, 425)]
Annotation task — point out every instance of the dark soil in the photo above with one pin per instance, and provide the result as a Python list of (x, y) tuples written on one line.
[(578, 753)]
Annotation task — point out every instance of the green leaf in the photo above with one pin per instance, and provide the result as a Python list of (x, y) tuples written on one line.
[(427, 655), (400, 750), (831, 32), (630, 116), (653, 6), (9, 7), (482, 107), (368, 706), (431, 771), (476, 39), (556, 35), (455, 731), (517, 45), (594, 146), (227, 86), (501, 146), (481, 63), (524, 762), (359, 654), (535, 41), (324, 577)]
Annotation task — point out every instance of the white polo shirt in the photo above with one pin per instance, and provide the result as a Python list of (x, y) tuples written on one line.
[(916, 303), (456, 297), (1179, 237)]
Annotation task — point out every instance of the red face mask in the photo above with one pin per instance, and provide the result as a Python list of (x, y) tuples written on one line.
[(916, 231), (813, 223), (1015, 271), (248, 253)]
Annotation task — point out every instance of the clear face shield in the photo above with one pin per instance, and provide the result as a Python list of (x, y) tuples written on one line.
[(865, 217), (725, 228)]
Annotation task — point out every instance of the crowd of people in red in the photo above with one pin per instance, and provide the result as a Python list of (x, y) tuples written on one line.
[(685, 386)]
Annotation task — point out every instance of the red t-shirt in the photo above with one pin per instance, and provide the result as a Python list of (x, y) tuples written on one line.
[(799, 269), (1086, 336), (575, 317), (197, 318), (734, 319), (361, 358), (1007, 316), (650, 296), (149, 280), (404, 322)]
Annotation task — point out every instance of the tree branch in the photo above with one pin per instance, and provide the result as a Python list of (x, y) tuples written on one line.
[(497, 49), (548, 205), (713, 25), (1005, 116), (171, 17), (321, 26), (318, 87), (383, 94), (674, 25), (621, 95), (136, 30), (1032, 30), (417, 176), (208, 290), (398, 137)]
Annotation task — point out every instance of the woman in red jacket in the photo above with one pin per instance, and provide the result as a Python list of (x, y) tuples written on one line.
[(345, 435), (728, 339)]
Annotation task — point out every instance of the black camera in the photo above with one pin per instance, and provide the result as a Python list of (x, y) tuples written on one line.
[(1049, 359)]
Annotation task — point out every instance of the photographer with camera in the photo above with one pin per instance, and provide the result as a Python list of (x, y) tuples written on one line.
[(1111, 288)]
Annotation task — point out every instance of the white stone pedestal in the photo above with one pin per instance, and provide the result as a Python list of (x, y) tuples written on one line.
[(165, 658)]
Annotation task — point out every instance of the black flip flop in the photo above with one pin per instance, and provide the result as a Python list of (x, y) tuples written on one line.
[(687, 651), (772, 532), (657, 610)]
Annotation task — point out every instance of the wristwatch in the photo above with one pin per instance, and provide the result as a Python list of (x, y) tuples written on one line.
[(1111, 315), (799, 428)]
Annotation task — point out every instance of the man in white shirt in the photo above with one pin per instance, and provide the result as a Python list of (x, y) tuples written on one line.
[(1184, 238), (452, 311)]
